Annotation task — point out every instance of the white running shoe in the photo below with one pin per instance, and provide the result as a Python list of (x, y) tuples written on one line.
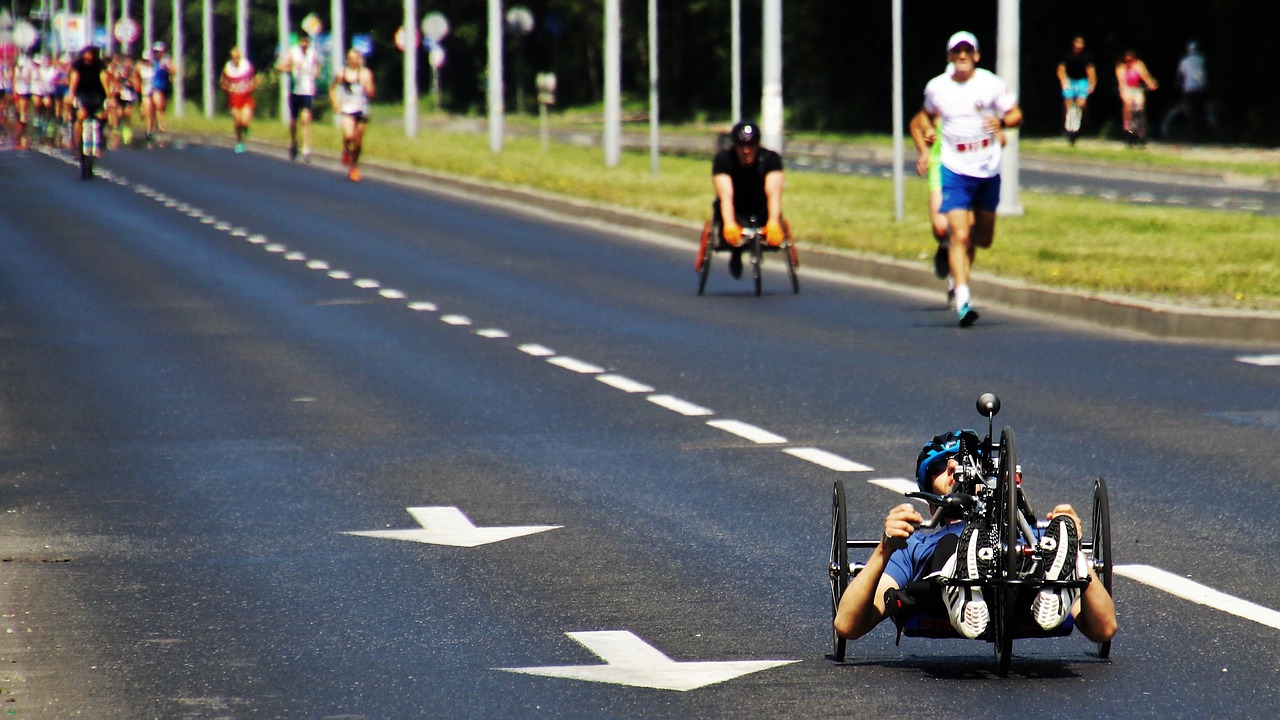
[(966, 606), (1061, 549)]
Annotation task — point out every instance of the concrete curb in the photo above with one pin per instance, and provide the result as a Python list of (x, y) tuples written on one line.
[(1109, 311)]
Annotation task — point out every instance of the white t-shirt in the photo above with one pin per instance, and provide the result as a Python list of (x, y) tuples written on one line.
[(305, 67), (967, 147)]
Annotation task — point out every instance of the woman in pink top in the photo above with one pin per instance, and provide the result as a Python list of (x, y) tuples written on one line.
[(1134, 80)]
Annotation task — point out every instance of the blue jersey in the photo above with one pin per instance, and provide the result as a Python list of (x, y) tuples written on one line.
[(910, 563)]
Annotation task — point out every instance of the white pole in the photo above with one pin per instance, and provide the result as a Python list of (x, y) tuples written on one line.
[(653, 86), (206, 17), (735, 45), (148, 25), (337, 51), (496, 108), (771, 92), (242, 28), (410, 68), (1008, 49), (126, 45), (179, 91), (899, 177), (89, 10), (612, 83), (282, 38)]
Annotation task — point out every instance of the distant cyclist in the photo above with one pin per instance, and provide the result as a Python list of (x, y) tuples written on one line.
[(1078, 78), (748, 181), (89, 83), (350, 94), (1134, 81)]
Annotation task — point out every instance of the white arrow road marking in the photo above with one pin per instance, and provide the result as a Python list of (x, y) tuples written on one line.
[(755, 434), (1260, 360), (830, 461), (449, 526), (632, 661), (1197, 593)]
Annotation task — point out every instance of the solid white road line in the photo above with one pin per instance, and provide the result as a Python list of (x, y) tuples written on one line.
[(828, 460), (750, 432), (624, 384), (675, 404), (1197, 593)]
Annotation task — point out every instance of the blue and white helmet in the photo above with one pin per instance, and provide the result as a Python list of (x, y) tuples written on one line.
[(940, 449)]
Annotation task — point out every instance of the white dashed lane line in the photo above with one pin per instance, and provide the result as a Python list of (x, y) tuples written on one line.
[(1201, 594), (456, 319), (675, 404), (493, 333), (536, 350), (420, 306), (577, 366), (624, 384), (828, 460), (1260, 360), (757, 435)]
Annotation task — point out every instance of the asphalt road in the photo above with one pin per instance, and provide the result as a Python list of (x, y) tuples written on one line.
[(216, 368)]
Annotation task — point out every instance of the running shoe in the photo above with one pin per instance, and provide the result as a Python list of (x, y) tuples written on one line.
[(942, 260), (353, 174), (306, 154), (239, 148), (974, 558), (1061, 548), (293, 152), (126, 135), (967, 315)]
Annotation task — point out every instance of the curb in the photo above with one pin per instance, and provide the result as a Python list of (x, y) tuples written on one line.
[(1114, 312)]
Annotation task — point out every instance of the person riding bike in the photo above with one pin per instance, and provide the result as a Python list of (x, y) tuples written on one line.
[(89, 84), (957, 550), (748, 181)]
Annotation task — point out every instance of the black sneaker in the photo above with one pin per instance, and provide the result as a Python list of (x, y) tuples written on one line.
[(967, 315), (1060, 547), (974, 558), (293, 152), (942, 260), (735, 265)]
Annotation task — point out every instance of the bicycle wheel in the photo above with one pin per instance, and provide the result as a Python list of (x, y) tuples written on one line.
[(86, 165), (839, 567), (705, 251), (757, 260), (1007, 523), (1101, 536)]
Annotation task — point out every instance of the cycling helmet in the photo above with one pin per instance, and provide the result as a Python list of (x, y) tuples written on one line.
[(941, 448), (746, 133)]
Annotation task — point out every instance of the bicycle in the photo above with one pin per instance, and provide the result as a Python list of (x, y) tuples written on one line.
[(89, 147)]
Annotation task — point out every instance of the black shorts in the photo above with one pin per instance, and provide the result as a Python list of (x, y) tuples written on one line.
[(298, 103), (91, 103)]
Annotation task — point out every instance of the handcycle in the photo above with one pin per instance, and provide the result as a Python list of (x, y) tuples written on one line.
[(988, 490), (753, 244), (89, 144)]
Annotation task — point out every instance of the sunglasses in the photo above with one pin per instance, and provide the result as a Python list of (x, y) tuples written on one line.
[(939, 465)]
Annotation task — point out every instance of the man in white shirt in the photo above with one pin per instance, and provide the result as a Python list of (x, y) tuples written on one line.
[(974, 106), (303, 65)]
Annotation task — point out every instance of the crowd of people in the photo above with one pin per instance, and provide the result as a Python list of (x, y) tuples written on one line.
[(38, 101)]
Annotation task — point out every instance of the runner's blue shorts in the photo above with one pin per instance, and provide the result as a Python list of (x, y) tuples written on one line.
[(1076, 90), (963, 192)]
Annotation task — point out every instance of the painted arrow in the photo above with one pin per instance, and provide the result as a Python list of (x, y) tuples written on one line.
[(448, 526), (632, 661)]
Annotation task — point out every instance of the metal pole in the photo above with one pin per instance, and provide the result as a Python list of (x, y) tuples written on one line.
[(410, 68), (1008, 49), (735, 45), (899, 177), (653, 86), (242, 28), (179, 91), (109, 16), (495, 76), (206, 16), (148, 25), (612, 83), (282, 38), (89, 10), (337, 48), (771, 92)]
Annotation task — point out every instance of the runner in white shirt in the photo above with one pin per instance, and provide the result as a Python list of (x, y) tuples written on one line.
[(302, 62), (974, 106)]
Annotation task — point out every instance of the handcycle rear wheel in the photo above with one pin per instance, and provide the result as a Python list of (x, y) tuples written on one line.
[(839, 566), (1101, 536), (1006, 606), (705, 250), (757, 260)]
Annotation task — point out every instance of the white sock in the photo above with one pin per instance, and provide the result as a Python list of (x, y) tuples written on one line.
[(962, 295)]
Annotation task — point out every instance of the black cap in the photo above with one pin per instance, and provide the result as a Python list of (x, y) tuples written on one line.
[(745, 133)]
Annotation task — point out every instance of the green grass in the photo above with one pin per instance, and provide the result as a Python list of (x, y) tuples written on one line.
[(1184, 256)]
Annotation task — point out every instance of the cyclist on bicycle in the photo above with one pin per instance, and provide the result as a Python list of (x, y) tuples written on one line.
[(1134, 80), (748, 181), (90, 80), (957, 550)]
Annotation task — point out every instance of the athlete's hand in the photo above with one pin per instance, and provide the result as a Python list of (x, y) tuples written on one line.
[(773, 233), (899, 525), (733, 234), (922, 164)]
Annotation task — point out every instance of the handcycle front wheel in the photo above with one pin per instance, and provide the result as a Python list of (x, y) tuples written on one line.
[(1006, 596), (1101, 537), (705, 251), (757, 261), (839, 566)]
